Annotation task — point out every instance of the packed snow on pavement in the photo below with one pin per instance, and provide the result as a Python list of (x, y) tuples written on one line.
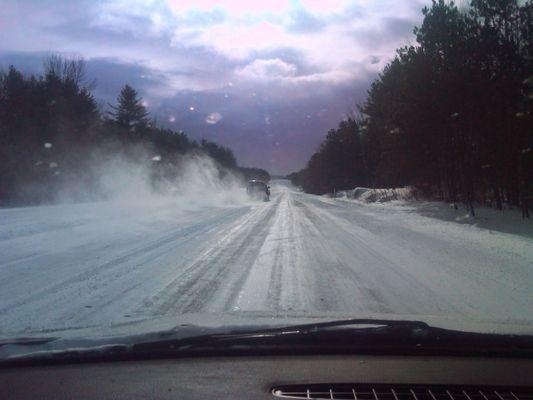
[(94, 264)]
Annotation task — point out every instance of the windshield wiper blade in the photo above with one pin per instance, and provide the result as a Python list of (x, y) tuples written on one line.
[(186, 340), (352, 336), (27, 341), (323, 335), (364, 336), (353, 324)]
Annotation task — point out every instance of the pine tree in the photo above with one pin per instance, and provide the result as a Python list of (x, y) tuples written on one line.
[(130, 112), (450, 114)]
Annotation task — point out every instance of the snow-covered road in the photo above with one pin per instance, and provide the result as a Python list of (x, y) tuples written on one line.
[(86, 265)]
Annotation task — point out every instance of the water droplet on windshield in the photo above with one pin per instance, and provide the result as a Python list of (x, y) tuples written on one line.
[(213, 118)]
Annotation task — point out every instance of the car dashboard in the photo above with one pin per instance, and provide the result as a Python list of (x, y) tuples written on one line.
[(360, 377)]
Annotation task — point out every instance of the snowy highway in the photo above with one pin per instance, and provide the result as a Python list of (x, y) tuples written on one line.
[(88, 264)]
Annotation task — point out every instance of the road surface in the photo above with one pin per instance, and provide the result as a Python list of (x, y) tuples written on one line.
[(86, 265)]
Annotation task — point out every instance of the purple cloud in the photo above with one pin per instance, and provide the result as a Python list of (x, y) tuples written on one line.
[(265, 78)]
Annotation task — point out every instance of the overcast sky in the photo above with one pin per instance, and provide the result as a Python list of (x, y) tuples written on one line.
[(266, 78)]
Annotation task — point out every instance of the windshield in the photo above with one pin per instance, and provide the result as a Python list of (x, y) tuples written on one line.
[(256, 184), (165, 163)]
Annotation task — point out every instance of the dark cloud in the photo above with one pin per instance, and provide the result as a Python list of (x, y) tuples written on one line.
[(266, 124), (398, 27), (262, 124), (108, 75), (374, 60), (29, 63), (389, 31), (271, 104)]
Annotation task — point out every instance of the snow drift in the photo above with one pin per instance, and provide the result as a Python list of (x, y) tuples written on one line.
[(380, 195)]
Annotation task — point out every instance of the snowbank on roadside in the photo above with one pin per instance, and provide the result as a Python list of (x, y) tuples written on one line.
[(379, 195), (508, 221), (405, 199)]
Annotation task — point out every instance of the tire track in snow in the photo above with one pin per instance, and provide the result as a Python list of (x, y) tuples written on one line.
[(385, 283), (421, 273), (64, 298), (209, 283), (298, 253), (292, 271)]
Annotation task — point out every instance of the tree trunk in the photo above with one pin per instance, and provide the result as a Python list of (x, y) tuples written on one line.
[(498, 198)]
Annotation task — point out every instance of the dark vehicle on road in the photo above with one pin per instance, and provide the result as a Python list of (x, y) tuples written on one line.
[(258, 190)]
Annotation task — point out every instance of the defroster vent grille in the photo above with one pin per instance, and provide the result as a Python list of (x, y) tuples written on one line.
[(401, 392)]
